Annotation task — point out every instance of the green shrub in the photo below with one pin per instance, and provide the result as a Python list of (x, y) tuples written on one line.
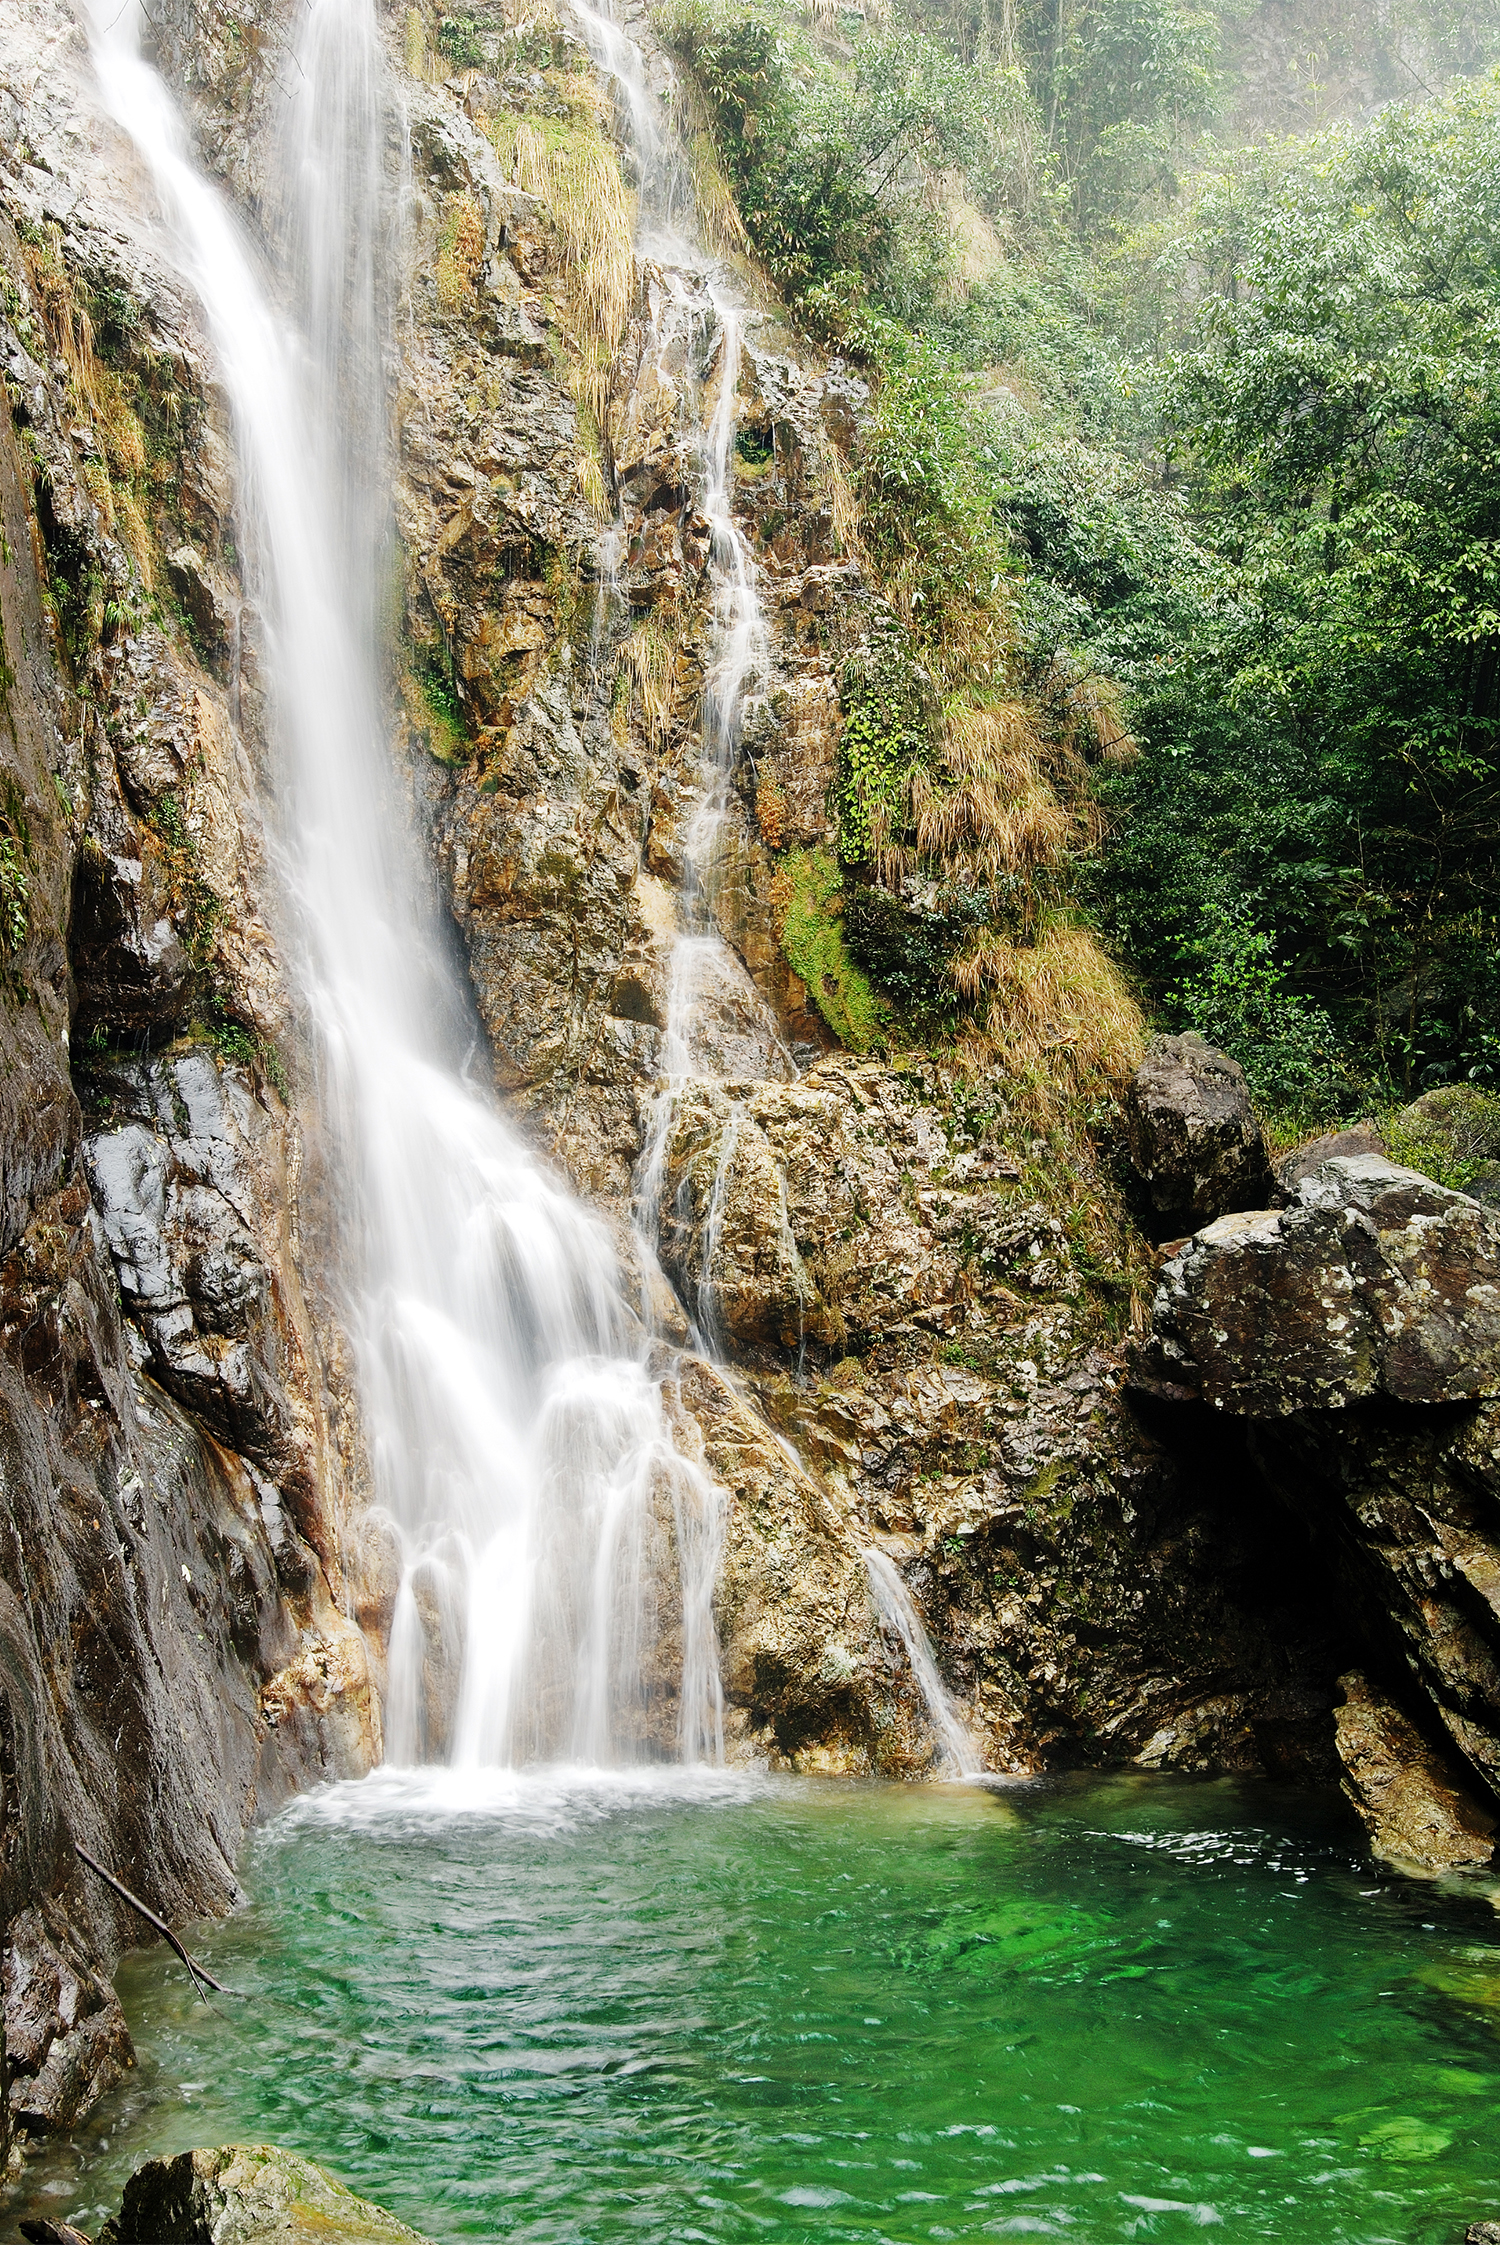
[(15, 896), (459, 42), (1287, 1047), (885, 697), (1450, 1134)]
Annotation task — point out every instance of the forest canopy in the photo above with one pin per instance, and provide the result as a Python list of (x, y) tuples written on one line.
[(1182, 450)]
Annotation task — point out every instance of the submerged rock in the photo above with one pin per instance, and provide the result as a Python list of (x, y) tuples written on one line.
[(246, 2194), (1409, 1797), (1194, 1137)]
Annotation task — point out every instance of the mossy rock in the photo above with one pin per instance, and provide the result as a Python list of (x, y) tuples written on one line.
[(246, 2194), (1453, 1136)]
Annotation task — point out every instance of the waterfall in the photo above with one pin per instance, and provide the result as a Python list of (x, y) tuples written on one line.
[(897, 1610), (719, 1028), (555, 1542)]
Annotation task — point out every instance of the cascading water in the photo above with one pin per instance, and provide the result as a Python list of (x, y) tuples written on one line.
[(897, 1610), (719, 1028), (557, 1547)]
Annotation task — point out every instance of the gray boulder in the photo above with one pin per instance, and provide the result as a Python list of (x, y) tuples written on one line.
[(1359, 1138), (1373, 1281), (1195, 1140), (246, 2194)]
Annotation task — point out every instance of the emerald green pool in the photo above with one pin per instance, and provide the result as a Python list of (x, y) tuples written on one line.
[(740, 2010)]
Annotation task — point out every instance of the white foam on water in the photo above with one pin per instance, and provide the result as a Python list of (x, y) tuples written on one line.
[(543, 1801)]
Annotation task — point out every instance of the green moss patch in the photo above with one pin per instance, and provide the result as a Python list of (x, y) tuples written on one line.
[(809, 898)]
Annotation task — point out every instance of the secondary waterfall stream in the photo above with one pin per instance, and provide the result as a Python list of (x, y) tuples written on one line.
[(556, 1545), (719, 1028)]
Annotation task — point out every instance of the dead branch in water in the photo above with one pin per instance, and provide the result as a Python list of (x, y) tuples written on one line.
[(197, 1972)]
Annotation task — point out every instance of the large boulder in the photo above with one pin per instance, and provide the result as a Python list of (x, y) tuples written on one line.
[(1354, 1336), (1195, 1140), (1373, 1281), (246, 2194)]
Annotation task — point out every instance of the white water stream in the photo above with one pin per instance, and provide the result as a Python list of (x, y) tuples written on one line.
[(897, 1610), (560, 1556), (718, 1027), (558, 1550)]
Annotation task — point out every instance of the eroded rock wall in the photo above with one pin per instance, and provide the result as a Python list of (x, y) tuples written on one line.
[(1342, 1348), (178, 1460), (916, 1349)]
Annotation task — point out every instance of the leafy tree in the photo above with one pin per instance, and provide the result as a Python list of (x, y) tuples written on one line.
[(1118, 83), (1340, 420), (828, 167)]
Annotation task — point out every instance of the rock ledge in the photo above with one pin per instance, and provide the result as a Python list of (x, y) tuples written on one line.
[(1373, 1281), (246, 2194)]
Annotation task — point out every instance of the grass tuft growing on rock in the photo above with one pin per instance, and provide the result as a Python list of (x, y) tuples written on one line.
[(1058, 1014), (460, 252), (571, 167), (649, 657), (988, 811), (117, 474)]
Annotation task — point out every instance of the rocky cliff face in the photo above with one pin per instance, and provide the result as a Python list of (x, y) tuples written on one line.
[(883, 1314), (178, 1452), (863, 1241), (1346, 1346)]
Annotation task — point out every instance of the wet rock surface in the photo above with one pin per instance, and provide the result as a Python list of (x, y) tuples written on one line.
[(1194, 1137), (49, 1984), (1410, 1798), (175, 1437), (915, 1324), (246, 2194)]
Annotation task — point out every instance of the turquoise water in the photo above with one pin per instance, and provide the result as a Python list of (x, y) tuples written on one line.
[(742, 2011)]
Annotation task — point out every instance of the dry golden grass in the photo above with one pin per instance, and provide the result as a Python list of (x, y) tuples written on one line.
[(1055, 1008), (571, 167), (650, 658), (1094, 715), (991, 811), (719, 220), (460, 252), (592, 480), (421, 60), (843, 503)]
